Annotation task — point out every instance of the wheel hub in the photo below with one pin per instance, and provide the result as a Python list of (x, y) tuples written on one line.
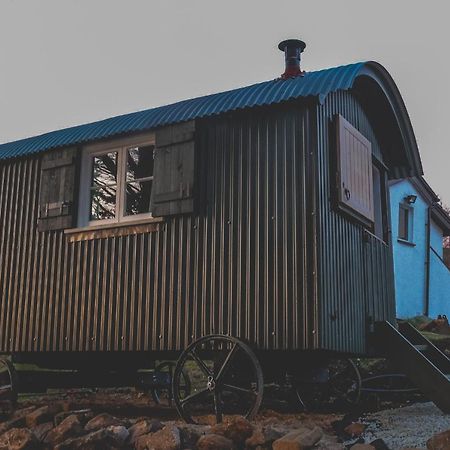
[(211, 383)]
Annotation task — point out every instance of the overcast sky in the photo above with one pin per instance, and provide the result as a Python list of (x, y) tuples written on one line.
[(66, 62)]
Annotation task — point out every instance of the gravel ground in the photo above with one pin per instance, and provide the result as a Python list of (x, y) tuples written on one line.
[(410, 426)]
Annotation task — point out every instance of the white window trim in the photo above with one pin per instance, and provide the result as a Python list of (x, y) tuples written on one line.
[(410, 230), (120, 146)]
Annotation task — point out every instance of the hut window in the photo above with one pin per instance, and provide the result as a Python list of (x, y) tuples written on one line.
[(116, 184), (354, 172)]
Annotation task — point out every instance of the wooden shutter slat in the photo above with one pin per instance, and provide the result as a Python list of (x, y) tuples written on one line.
[(355, 177)]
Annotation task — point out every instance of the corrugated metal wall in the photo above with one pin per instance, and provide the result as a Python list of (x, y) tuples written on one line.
[(355, 269), (237, 267)]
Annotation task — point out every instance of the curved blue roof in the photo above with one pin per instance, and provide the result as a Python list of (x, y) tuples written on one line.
[(319, 83)]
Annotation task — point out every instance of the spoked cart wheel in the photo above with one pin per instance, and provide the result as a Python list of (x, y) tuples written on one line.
[(8, 386), (162, 393), (226, 379), (335, 383), (344, 384)]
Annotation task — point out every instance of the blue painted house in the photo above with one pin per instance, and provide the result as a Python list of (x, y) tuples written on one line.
[(419, 224)]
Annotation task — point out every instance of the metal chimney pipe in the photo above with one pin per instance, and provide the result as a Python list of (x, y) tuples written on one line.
[(292, 49)]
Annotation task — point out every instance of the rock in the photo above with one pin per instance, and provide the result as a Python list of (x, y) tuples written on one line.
[(84, 415), (97, 440), (42, 415), (18, 439), (263, 437), (23, 412), (329, 443), (190, 434), (299, 439), (355, 429), (379, 444), (102, 421), (166, 439), (214, 442), (440, 441), (119, 432), (70, 427), (41, 430), (17, 422), (362, 447), (143, 427), (237, 429)]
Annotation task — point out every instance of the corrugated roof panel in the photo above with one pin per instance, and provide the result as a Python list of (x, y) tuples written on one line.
[(319, 83)]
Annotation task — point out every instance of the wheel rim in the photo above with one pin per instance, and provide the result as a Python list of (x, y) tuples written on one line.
[(164, 396), (226, 379), (345, 381), (8, 391)]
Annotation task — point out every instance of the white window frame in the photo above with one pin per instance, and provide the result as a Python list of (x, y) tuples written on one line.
[(410, 228), (120, 146)]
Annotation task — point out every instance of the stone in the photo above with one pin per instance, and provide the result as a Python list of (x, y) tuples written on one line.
[(238, 429), (362, 447), (102, 421), (263, 437), (166, 439), (68, 428), (42, 415), (17, 422), (191, 433), (329, 443), (97, 440), (18, 439), (379, 444), (84, 415), (119, 432), (355, 429), (41, 430), (214, 442), (299, 439), (440, 441), (143, 427)]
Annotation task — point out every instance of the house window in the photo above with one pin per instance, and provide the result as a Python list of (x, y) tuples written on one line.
[(117, 185), (405, 222)]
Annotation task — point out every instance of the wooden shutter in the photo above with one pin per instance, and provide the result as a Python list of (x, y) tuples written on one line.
[(355, 179), (57, 199), (174, 170)]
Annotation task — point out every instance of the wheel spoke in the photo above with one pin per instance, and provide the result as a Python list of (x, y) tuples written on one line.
[(238, 389), (225, 364), (200, 363), (194, 396)]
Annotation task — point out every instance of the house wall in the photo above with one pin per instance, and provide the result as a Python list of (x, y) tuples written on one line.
[(410, 259)]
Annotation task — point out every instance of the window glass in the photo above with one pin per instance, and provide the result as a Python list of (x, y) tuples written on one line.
[(403, 222), (103, 203), (103, 186), (139, 162), (138, 197), (139, 178), (104, 169)]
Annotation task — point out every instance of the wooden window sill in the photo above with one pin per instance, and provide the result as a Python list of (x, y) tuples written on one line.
[(113, 229)]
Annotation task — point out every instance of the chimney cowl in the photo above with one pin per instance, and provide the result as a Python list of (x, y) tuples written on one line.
[(292, 49)]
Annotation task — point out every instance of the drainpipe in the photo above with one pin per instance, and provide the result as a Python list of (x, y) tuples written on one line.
[(428, 260)]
